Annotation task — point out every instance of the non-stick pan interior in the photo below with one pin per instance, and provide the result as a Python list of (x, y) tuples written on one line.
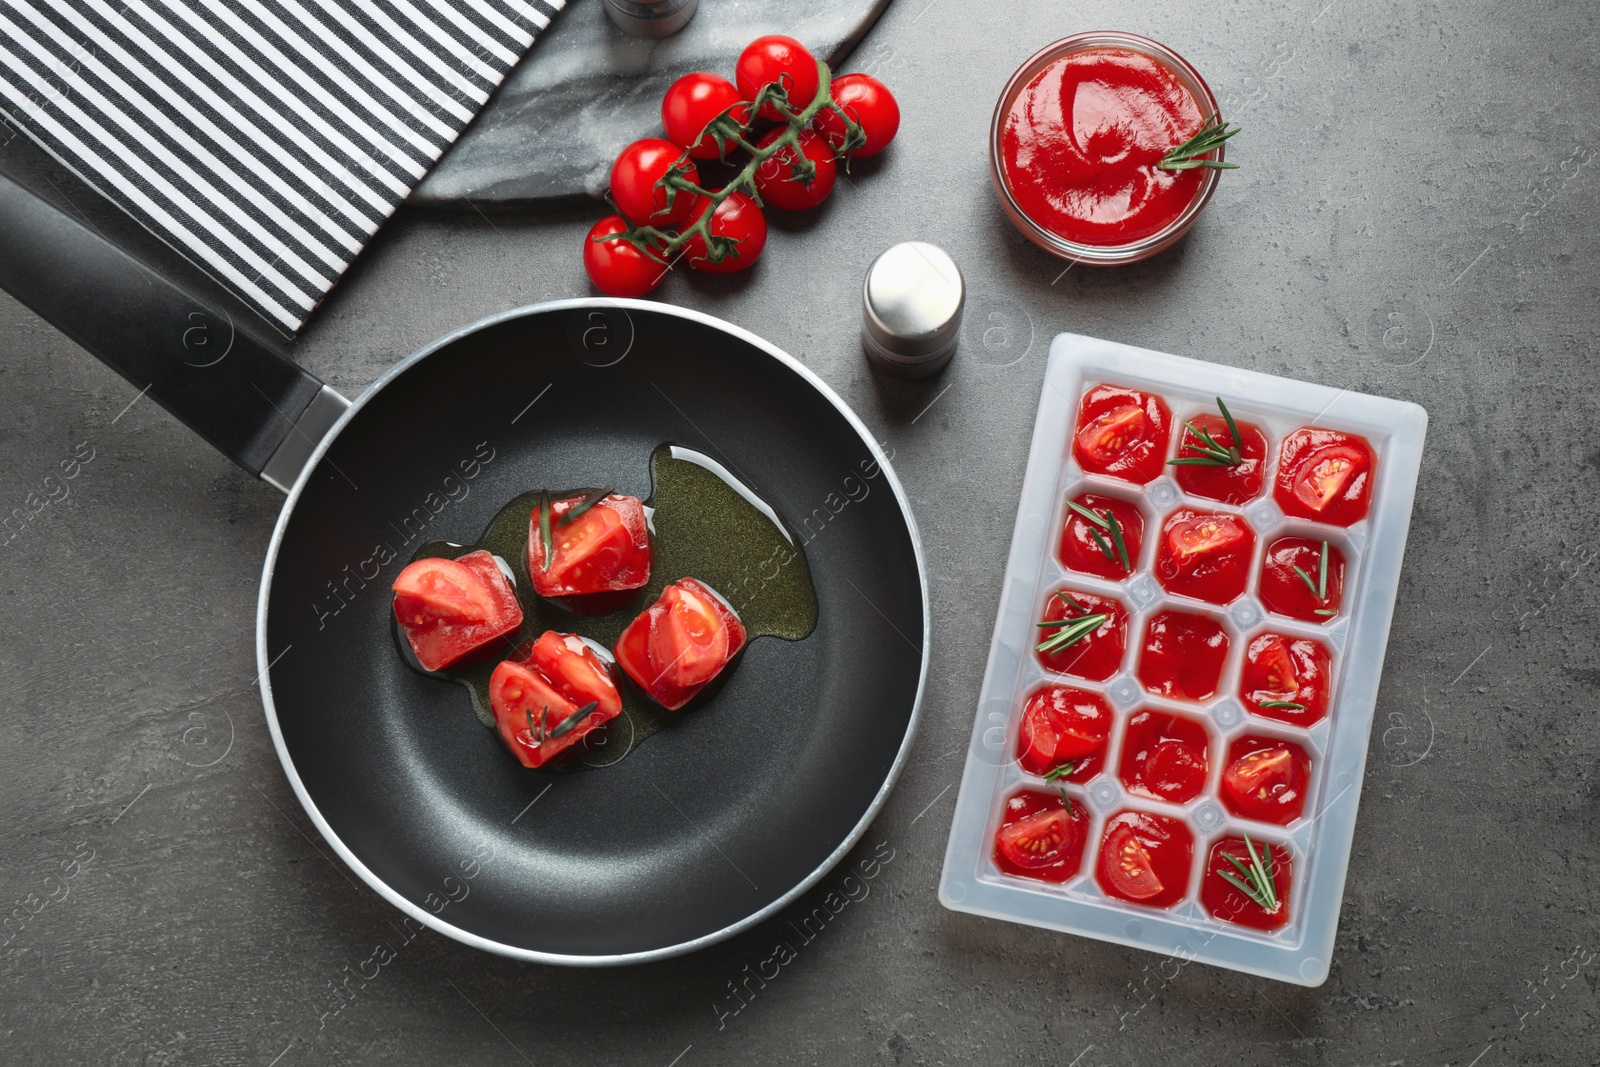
[(709, 821)]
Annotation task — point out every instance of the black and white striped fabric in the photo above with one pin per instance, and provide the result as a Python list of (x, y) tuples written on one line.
[(266, 140)]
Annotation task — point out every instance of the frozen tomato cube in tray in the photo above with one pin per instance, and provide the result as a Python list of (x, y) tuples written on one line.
[(1168, 744), (549, 702), (680, 643), (449, 609), (598, 543)]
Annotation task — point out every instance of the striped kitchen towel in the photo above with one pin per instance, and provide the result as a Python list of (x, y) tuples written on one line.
[(266, 140)]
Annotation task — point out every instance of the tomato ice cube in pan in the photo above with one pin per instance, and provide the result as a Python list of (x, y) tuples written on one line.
[(547, 703), (680, 643), (451, 608), (598, 543)]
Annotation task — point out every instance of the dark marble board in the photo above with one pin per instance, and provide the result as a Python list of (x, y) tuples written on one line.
[(587, 88)]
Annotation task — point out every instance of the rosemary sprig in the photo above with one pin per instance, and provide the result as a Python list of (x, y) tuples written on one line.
[(1069, 631), (1107, 521), (1286, 705), (1066, 598), (1319, 588), (541, 731), (1212, 452), (1259, 884), (546, 542), (586, 503), (1209, 138), (1057, 773)]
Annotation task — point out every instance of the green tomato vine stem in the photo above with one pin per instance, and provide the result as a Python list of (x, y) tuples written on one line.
[(730, 132)]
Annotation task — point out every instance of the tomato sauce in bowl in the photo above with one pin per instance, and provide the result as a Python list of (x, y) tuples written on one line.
[(1076, 139)]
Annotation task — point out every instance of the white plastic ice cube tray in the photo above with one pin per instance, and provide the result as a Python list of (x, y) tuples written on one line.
[(1319, 841)]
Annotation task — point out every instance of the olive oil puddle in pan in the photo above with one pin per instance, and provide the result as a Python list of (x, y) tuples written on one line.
[(705, 524)]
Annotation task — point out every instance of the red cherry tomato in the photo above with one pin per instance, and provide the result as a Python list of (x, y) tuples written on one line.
[(737, 217), (680, 643), (633, 183), (1231, 485), (1266, 779), (560, 677), (1081, 540), (1063, 725), (780, 59), (1286, 678), (444, 590), (776, 180), (1325, 476), (1041, 836), (1146, 858), (870, 105), (1096, 656), (1164, 757), (1122, 432), (1223, 899), (1183, 655), (603, 550), (449, 609), (1285, 592), (618, 267), (691, 103), (1205, 555)]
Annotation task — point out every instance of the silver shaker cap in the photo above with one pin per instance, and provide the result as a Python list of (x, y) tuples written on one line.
[(911, 304)]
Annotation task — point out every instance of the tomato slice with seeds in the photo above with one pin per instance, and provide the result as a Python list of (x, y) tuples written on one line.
[(1146, 858), (1128, 867), (1283, 670), (1325, 475), (576, 671), (1122, 433), (1230, 485), (1038, 840), (1266, 779), (1205, 555), (1041, 836), (452, 609)]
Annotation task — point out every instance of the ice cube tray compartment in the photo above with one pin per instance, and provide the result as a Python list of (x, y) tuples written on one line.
[(1318, 842)]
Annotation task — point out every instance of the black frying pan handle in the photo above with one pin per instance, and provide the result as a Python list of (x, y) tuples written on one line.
[(232, 390)]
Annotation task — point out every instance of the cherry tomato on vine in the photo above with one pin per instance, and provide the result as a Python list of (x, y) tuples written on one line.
[(691, 103), (617, 267), (737, 217), (776, 58), (776, 180), (633, 182), (870, 105)]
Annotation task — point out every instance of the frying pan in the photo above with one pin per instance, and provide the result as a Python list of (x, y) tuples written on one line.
[(708, 826)]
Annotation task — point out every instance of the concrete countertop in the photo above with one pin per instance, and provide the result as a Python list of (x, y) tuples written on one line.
[(1415, 216)]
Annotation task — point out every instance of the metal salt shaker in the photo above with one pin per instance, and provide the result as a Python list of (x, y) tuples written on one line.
[(651, 18), (911, 308)]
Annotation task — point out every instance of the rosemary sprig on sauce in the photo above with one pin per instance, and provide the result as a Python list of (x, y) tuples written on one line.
[(1259, 884), (1209, 138), (1211, 451), (1285, 705), (1107, 521), (585, 504), (1060, 772), (1319, 588), (541, 732), (1069, 631), (546, 542)]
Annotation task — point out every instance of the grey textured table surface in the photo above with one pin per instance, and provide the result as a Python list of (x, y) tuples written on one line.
[(1415, 216)]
